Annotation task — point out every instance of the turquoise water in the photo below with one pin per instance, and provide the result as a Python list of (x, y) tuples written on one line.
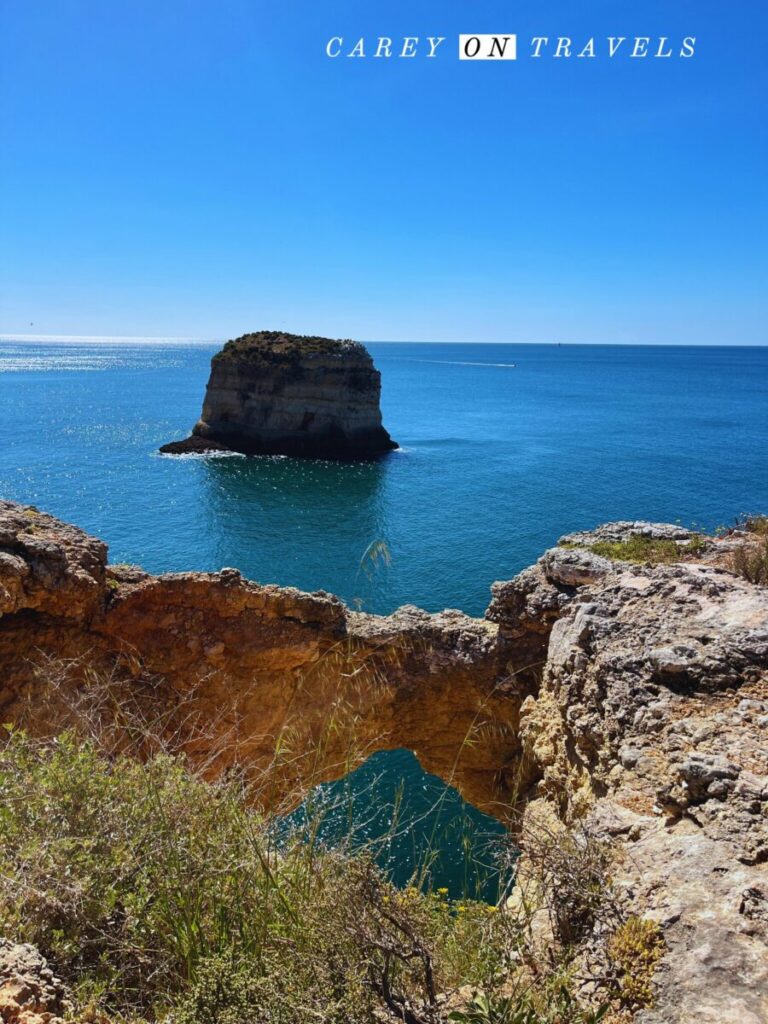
[(504, 448), (497, 461), (418, 829)]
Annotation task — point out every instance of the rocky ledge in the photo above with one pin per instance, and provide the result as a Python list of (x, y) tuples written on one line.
[(621, 699), (272, 393)]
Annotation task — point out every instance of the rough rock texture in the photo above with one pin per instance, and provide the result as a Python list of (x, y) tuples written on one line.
[(29, 991), (650, 720), (623, 529), (60, 571), (631, 698), (283, 394), (255, 663)]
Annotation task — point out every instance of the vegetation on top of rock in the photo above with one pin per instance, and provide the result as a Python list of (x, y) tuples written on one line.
[(639, 549), (643, 549), (757, 524), (280, 346), (635, 949), (754, 523), (750, 560)]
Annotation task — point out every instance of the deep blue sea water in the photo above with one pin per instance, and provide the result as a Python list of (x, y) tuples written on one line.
[(504, 448)]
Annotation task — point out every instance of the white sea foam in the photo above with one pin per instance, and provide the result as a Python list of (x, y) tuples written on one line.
[(197, 455), (456, 362)]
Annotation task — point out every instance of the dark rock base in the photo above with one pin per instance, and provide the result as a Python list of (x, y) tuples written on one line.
[(341, 449), (194, 446)]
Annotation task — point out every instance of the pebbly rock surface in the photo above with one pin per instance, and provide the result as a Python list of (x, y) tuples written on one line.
[(30, 993), (47, 565), (272, 393), (649, 727), (627, 699)]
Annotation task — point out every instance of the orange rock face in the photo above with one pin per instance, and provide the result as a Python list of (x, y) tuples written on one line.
[(256, 669), (632, 697)]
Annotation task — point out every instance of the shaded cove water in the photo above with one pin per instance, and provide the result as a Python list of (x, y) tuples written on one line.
[(418, 829), (504, 448)]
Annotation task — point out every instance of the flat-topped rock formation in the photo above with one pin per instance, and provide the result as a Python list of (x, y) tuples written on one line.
[(272, 393)]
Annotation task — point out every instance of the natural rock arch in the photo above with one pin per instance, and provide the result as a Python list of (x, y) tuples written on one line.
[(633, 697)]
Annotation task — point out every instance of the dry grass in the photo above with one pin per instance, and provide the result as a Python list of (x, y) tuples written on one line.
[(756, 524), (750, 560), (159, 890)]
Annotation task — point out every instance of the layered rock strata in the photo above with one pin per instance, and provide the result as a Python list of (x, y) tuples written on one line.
[(631, 699), (283, 394)]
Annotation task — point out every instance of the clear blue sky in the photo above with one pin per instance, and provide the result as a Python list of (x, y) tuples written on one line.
[(200, 168)]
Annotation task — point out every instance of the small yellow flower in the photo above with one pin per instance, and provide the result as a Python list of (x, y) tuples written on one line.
[(442, 892)]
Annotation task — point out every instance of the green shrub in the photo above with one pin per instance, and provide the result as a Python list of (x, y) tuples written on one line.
[(128, 873), (697, 545), (153, 891), (159, 896), (640, 549), (635, 950), (750, 560)]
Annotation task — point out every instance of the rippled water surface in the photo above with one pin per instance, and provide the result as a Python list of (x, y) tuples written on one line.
[(504, 448)]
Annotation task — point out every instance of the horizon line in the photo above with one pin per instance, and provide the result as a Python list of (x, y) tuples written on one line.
[(189, 340)]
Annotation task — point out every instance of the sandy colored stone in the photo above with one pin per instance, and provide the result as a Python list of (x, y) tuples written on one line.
[(632, 699)]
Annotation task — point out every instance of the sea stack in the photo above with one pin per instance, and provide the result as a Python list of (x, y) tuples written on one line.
[(272, 393)]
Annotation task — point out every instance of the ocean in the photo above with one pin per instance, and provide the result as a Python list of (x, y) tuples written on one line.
[(503, 449)]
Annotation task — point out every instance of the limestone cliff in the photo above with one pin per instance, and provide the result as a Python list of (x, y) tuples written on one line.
[(284, 394), (630, 698)]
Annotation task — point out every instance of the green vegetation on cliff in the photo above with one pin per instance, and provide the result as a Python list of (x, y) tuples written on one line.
[(280, 346), (158, 896), (644, 550)]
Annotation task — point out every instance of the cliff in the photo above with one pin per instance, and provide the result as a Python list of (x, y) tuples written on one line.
[(624, 698), (284, 394)]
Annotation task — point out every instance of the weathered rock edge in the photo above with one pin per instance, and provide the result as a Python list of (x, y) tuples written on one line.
[(272, 393), (30, 993), (633, 698)]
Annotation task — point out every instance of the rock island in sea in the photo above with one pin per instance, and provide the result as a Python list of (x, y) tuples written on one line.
[(272, 393)]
